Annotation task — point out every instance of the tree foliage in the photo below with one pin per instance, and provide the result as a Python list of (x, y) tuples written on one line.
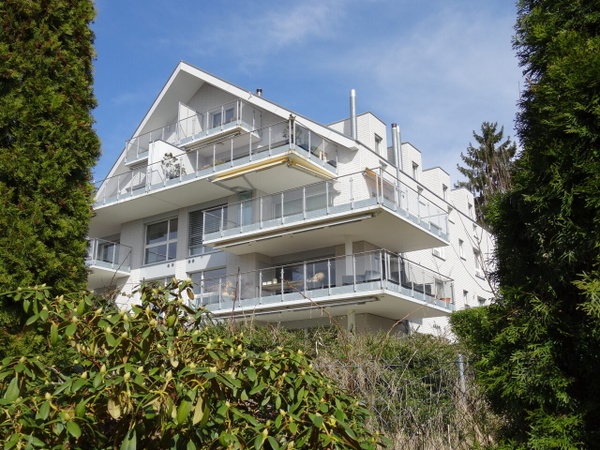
[(538, 344), (47, 145), (162, 376), (487, 167)]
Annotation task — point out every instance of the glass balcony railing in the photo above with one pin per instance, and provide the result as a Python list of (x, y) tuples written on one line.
[(326, 279), (326, 198), (194, 127), (109, 255), (205, 159)]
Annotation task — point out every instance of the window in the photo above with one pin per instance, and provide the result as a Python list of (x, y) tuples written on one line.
[(161, 242), (461, 249), (470, 210), (480, 301), (477, 258), (196, 230), (439, 252), (445, 192), (415, 171), (378, 142), (466, 298), (108, 252), (222, 117)]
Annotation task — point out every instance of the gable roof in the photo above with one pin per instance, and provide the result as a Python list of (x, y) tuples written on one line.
[(185, 81)]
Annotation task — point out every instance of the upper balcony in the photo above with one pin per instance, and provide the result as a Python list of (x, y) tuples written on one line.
[(108, 262), (370, 206), (377, 282), (227, 119), (162, 173)]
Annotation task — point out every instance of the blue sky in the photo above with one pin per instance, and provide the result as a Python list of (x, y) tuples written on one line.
[(438, 68)]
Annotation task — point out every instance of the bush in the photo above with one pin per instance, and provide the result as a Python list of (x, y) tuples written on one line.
[(163, 376)]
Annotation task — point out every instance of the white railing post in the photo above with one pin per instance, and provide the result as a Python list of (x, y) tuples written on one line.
[(222, 224), (270, 140), (260, 212), (114, 261), (242, 216), (304, 202), (260, 285), (250, 146)]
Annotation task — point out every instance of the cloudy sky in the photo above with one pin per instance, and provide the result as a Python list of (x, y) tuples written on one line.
[(438, 68)]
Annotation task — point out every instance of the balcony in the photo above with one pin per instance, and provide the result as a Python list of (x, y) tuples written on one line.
[(377, 282), (168, 172), (372, 206), (231, 117), (108, 262)]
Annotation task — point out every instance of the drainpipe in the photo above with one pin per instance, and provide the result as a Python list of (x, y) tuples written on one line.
[(353, 114)]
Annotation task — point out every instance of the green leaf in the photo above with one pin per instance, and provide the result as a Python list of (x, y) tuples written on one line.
[(110, 339), (259, 441), (317, 419), (274, 443), (43, 411), (74, 429), (71, 329), (130, 441), (81, 307), (32, 319), (80, 409), (185, 407), (190, 445), (12, 392), (12, 441), (251, 373), (53, 333)]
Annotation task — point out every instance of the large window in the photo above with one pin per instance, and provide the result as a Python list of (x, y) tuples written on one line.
[(201, 223), (161, 241)]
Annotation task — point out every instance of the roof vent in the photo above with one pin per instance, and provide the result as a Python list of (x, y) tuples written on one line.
[(259, 92)]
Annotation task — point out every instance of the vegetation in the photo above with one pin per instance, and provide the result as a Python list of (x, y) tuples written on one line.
[(161, 376), (487, 167), (538, 345), (47, 148)]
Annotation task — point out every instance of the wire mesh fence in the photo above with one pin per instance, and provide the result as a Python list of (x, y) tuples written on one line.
[(440, 409)]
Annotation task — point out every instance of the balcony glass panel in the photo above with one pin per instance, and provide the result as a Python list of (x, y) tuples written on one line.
[(324, 279), (325, 198), (110, 255)]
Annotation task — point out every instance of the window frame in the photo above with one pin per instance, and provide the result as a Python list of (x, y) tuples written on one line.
[(170, 242)]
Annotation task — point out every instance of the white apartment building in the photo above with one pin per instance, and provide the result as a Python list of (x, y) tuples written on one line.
[(279, 219)]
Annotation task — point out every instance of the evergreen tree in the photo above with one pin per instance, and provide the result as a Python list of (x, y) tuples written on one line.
[(539, 344), (47, 146), (487, 167)]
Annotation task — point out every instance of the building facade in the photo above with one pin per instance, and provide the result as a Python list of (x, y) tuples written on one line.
[(279, 219)]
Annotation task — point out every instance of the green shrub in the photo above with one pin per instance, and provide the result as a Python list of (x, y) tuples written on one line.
[(163, 376)]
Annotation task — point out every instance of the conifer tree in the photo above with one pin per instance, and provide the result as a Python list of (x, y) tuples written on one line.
[(47, 145), (539, 344), (487, 167)]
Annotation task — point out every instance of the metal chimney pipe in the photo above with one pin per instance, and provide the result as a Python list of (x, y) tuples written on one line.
[(397, 146), (353, 125)]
